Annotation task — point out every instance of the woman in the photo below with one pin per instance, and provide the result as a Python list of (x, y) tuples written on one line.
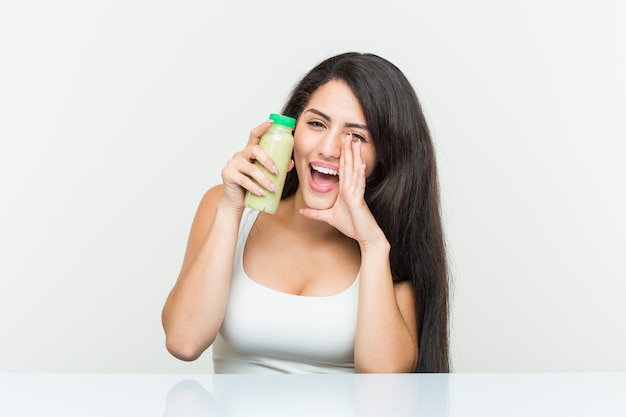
[(350, 274)]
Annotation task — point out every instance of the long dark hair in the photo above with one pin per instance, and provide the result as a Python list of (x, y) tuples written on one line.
[(403, 190)]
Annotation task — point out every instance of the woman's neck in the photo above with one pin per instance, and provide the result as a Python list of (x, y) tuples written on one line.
[(289, 212)]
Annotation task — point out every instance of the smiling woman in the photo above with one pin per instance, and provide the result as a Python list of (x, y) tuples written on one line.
[(350, 273), (332, 116)]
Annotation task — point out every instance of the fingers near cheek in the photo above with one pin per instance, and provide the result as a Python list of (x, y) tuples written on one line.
[(348, 155), (257, 132), (356, 151), (359, 167)]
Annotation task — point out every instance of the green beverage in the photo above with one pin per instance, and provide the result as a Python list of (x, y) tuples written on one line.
[(278, 143)]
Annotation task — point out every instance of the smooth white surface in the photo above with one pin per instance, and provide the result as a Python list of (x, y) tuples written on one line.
[(116, 116), (86, 395)]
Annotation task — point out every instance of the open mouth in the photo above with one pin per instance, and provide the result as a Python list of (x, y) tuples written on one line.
[(324, 176)]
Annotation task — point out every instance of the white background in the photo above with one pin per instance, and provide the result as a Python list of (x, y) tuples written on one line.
[(116, 116)]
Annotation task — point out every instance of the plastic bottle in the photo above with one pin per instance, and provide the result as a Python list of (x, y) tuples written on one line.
[(277, 141)]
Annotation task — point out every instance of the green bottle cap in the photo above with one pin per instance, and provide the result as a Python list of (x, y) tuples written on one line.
[(287, 121)]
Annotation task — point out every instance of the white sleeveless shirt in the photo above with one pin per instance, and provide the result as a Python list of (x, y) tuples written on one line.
[(269, 331)]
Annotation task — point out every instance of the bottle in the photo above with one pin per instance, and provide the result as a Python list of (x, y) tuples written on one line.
[(277, 141)]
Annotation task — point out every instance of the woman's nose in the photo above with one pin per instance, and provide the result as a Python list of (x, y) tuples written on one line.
[(332, 144)]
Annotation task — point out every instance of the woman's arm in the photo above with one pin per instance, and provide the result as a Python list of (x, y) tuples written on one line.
[(386, 339), (195, 307), (194, 310)]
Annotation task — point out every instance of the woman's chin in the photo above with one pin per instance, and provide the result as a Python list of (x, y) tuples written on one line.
[(320, 203)]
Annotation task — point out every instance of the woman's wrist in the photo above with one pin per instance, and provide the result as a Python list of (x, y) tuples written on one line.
[(377, 244), (225, 206)]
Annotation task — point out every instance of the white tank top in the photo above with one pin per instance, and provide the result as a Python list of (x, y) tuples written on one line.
[(268, 331)]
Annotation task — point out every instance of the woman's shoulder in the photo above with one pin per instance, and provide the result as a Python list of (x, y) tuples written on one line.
[(211, 198), (208, 205), (213, 194)]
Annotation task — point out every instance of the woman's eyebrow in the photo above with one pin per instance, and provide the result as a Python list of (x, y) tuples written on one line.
[(356, 125), (319, 113), (327, 118)]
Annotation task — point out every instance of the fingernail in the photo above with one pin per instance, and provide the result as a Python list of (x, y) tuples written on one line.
[(273, 188), (275, 169), (261, 192)]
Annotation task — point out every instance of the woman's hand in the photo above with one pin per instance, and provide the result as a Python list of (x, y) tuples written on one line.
[(350, 213), (241, 174)]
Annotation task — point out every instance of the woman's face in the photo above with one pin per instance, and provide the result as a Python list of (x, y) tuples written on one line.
[(332, 113)]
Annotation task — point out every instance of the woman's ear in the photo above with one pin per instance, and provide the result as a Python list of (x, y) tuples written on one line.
[(291, 165)]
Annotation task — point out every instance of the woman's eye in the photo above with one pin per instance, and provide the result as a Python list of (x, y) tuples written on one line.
[(315, 123), (359, 137)]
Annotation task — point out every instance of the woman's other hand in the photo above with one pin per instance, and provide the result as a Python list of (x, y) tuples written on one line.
[(350, 213)]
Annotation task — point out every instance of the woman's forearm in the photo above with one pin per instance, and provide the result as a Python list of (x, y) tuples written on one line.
[(385, 341)]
